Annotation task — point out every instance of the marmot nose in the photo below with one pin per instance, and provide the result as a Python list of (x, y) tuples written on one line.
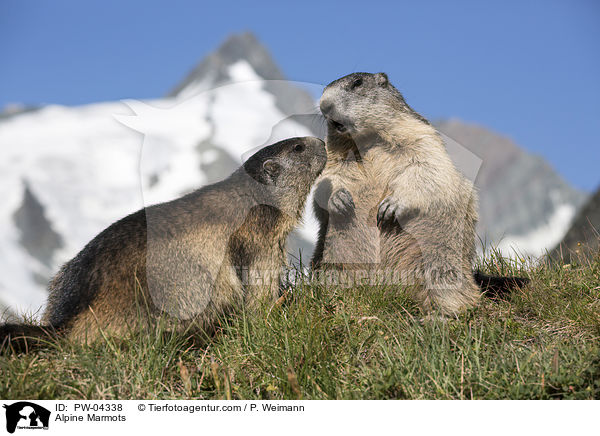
[(326, 107)]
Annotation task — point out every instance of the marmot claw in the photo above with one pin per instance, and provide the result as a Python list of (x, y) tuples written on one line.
[(341, 203), (390, 209)]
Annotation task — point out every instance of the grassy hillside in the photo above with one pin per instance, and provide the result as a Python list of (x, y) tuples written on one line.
[(360, 343)]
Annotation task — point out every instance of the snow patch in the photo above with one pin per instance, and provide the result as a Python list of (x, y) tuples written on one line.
[(538, 242)]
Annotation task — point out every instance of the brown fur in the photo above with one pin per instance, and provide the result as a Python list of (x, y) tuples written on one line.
[(381, 153), (193, 259)]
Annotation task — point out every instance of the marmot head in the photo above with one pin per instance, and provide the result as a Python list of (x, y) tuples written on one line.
[(287, 170), (361, 104)]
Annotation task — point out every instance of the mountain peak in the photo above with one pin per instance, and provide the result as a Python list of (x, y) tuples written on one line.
[(214, 67)]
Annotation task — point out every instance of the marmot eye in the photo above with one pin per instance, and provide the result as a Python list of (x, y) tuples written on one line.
[(356, 83), (299, 148)]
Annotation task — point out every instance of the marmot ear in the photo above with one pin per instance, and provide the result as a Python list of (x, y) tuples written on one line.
[(271, 167), (382, 79)]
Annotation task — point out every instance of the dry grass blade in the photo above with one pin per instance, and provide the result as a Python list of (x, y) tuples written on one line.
[(293, 381)]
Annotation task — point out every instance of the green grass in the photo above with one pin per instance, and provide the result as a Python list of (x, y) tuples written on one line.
[(359, 343)]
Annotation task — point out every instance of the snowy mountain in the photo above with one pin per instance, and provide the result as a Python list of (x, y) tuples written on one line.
[(69, 172), (524, 205)]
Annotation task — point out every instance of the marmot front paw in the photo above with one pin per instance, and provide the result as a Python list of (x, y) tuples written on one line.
[(341, 203), (391, 209)]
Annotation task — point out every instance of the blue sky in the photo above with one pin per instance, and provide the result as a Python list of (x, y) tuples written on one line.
[(529, 70)]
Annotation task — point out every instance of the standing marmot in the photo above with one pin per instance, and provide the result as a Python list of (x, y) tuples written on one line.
[(191, 259), (390, 198)]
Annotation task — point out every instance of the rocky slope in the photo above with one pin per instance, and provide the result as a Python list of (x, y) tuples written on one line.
[(524, 205)]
